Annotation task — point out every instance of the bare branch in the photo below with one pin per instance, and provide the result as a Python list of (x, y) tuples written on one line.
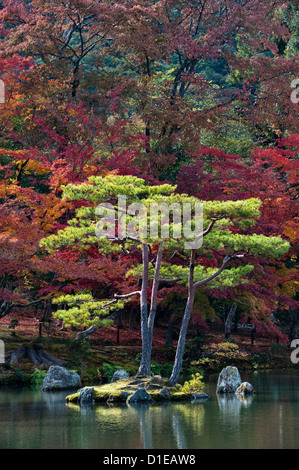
[(109, 303), (125, 296), (170, 281), (226, 260), (34, 302), (208, 230)]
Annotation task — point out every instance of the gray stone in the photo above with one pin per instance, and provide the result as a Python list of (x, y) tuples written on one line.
[(129, 388), (86, 395), (119, 375), (244, 389), (229, 380), (156, 379), (140, 395), (153, 386), (199, 396), (165, 393), (125, 394), (59, 378), (163, 390)]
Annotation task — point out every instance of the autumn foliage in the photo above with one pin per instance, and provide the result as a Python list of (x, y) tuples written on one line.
[(192, 94)]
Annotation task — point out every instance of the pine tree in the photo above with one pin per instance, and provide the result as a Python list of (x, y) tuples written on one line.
[(121, 227)]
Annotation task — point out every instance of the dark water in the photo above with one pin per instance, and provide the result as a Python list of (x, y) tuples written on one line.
[(269, 420)]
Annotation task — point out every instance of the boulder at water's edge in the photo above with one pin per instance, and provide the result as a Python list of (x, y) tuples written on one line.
[(86, 395), (244, 389), (229, 380), (139, 396), (59, 378), (120, 374)]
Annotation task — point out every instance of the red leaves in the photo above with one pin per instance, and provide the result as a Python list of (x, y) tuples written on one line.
[(272, 176), (68, 254), (128, 87)]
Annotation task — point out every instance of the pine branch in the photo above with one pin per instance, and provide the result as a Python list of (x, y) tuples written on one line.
[(125, 296), (226, 260)]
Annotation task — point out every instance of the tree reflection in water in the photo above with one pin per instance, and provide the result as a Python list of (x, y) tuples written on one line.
[(154, 426)]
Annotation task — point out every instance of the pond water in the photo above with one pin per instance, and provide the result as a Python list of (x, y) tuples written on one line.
[(30, 419)]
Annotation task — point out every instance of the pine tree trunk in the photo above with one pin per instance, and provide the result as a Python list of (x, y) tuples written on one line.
[(145, 363), (153, 306), (182, 341), (184, 327), (192, 286), (147, 321)]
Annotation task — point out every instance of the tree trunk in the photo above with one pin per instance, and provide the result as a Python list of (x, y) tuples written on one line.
[(293, 325), (192, 286), (168, 338), (5, 308), (85, 333), (229, 321), (47, 310), (181, 342), (252, 336), (147, 321), (144, 367), (131, 322), (119, 326), (35, 355), (153, 306), (145, 363), (184, 327), (292, 331)]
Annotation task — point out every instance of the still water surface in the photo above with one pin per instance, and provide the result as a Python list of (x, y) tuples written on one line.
[(30, 419)]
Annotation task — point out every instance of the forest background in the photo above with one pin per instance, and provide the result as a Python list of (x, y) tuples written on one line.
[(194, 94)]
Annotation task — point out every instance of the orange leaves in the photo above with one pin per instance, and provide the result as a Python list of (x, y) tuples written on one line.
[(291, 229), (289, 283)]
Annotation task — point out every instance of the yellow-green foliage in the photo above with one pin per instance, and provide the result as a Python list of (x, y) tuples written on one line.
[(225, 350), (216, 354), (85, 311), (81, 229), (194, 385), (228, 278)]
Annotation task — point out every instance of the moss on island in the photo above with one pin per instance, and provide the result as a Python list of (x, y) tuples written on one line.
[(121, 390)]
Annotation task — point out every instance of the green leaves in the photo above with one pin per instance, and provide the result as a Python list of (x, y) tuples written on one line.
[(84, 310), (150, 226), (257, 245), (160, 198), (230, 277), (102, 189), (247, 209)]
